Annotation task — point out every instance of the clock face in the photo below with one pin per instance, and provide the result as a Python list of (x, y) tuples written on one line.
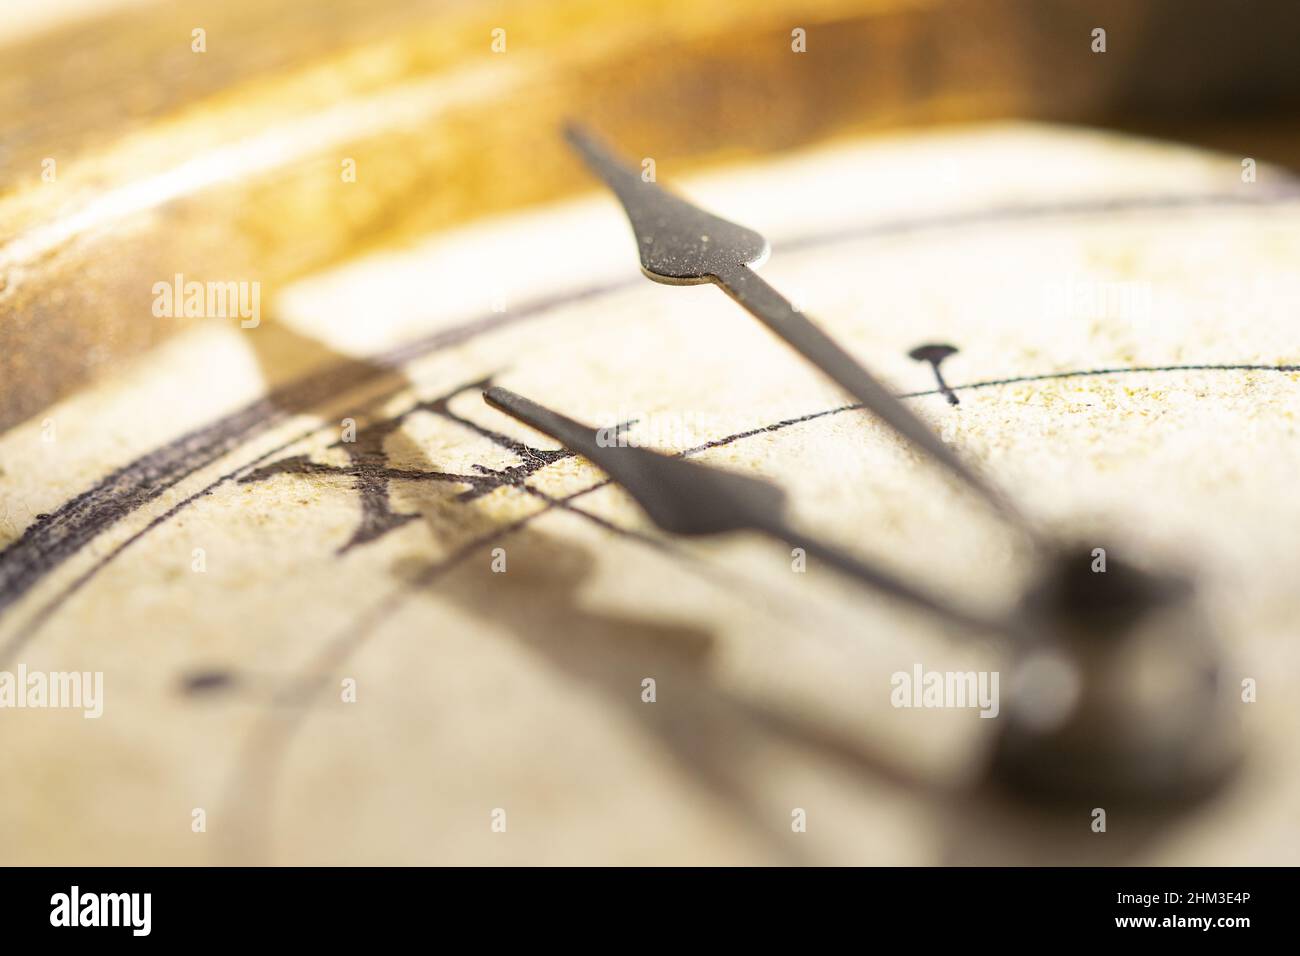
[(356, 614)]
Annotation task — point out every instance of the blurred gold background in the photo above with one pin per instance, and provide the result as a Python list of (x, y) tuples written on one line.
[(164, 157)]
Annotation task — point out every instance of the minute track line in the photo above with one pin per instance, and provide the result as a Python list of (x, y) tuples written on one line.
[(46, 612), (50, 541)]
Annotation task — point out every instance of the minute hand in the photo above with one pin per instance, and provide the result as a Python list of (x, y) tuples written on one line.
[(681, 244)]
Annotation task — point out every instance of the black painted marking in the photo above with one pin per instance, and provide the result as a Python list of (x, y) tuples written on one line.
[(369, 467), (204, 682), (934, 355), (50, 541), (1284, 191)]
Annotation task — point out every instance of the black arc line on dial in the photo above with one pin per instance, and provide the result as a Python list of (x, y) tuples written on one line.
[(688, 498)]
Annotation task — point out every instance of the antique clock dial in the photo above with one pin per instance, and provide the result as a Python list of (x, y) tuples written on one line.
[(1007, 399)]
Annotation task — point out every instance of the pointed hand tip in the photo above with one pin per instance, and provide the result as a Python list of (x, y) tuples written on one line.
[(512, 403), (496, 395), (533, 415), (583, 141)]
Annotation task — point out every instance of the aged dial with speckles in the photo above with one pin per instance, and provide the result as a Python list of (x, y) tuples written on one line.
[(968, 510)]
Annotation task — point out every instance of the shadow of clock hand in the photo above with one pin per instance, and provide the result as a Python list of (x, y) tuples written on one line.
[(730, 746), (991, 825)]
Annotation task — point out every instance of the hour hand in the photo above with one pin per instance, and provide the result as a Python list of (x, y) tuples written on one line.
[(679, 496), (688, 498)]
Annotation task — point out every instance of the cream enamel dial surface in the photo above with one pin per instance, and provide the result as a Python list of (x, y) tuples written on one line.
[(245, 522)]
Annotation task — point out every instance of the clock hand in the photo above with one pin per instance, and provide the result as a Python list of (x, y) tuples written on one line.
[(688, 498), (1075, 722), (681, 244)]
